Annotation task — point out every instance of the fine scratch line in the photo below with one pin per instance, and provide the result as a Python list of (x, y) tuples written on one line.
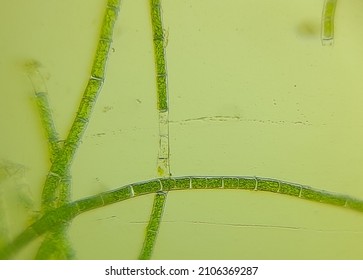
[(237, 118), (251, 226)]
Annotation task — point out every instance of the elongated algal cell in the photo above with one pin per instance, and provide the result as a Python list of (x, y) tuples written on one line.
[(327, 22)]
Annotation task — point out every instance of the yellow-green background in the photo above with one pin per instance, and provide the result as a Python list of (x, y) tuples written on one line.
[(252, 91)]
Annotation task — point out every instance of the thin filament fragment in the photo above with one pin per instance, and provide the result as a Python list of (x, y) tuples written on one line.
[(327, 22)]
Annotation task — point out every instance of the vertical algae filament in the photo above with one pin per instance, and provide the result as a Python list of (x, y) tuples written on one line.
[(327, 22), (160, 42)]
